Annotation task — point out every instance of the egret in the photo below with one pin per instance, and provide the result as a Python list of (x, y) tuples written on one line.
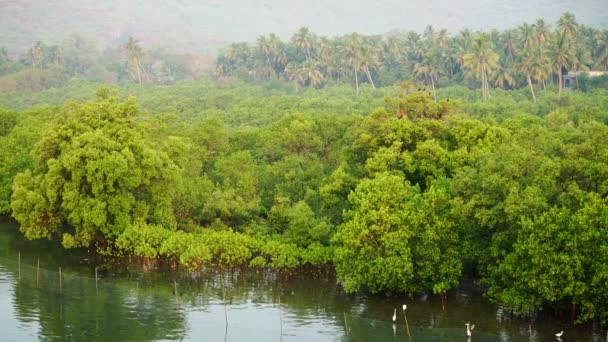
[(404, 307), (395, 315), (469, 329), (559, 334)]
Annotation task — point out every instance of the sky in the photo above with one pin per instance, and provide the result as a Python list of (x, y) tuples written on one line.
[(204, 25)]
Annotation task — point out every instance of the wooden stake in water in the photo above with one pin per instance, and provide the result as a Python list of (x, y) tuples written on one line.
[(38, 273), (346, 324), (407, 326), (19, 262), (281, 318), (96, 279), (60, 280)]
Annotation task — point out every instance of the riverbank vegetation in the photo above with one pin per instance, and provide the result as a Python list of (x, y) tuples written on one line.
[(401, 187)]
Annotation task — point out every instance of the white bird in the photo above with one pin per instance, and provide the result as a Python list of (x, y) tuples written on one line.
[(395, 315), (404, 307), (559, 334), (469, 329)]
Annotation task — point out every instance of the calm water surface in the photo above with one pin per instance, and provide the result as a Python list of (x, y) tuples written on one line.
[(137, 305)]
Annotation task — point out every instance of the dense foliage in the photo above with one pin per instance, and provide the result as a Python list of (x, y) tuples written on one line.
[(399, 189), (525, 56)]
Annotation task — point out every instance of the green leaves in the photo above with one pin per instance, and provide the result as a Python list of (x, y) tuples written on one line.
[(96, 173)]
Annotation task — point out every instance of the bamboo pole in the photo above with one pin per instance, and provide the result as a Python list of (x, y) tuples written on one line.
[(281, 318), (60, 279), (96, 278), (38, 273), (19, 263)]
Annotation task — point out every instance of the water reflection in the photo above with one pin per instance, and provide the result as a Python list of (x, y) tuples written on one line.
[(128, 304)]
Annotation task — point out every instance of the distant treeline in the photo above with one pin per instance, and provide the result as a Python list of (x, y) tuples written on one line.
[(46, 66), (531, 55)]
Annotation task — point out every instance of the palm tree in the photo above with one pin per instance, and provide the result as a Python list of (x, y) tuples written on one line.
[(369, 57), (430, 68), (527, 37), (526, 65), (502, 75), (567, 25), (36, 53), (542, 31), (509, 44), (480, 61), (135, 57), (351, 50), (561, 55), (293, 72), (542, 69), (267, 46), (310, 72), (601, 56), (304, 40)]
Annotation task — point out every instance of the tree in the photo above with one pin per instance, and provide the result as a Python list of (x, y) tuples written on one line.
[(135, 59), (542, 31), (480, 61), (94, 176), (561, 55), (567, 25), (503, 76), (373, 243), (526, 65), (304, 40)]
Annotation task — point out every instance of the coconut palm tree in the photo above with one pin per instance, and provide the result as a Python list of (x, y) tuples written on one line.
[(503, 74), (542, 31), (527, 37), (267, 47), (429, 68), (293, 72), (304, 40), (526, 64), (567, 25), (351, 51), (601, 55), (561, 55), (369, 57), (480, 61), (310, 72), (135, 59)]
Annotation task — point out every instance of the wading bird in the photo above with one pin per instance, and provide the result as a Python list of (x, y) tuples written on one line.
[(469, 329), (559, 334), (394, 315)]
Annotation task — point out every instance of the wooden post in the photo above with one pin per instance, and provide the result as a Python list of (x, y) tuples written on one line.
[(60, 280), (19, 263), (346, 324), (96, 279), (281, 318), (407, 326), (38, 273), (175, 287)]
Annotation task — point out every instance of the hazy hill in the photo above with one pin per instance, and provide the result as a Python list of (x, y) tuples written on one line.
[(202, 26)]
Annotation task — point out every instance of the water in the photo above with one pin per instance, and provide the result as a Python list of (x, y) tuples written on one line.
[(134, 305)]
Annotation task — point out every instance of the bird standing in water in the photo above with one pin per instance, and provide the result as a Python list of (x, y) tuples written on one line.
[(559, 334), (394, 315), (469, 329)]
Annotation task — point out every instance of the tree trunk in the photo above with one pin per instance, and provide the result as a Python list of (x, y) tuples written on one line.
[(560, 80), (433, 87), (531, 87), (369, 77), (356, 81)]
